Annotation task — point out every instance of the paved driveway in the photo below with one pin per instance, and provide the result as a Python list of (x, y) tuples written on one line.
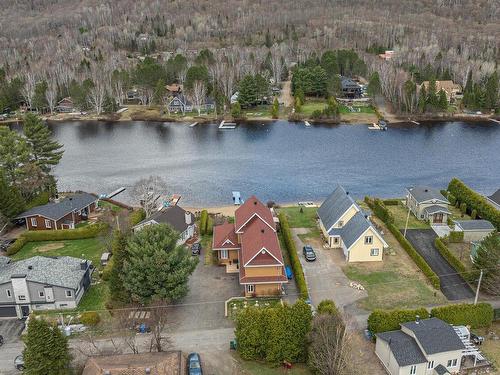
[(453, 286), (441, 230), (11, 330)]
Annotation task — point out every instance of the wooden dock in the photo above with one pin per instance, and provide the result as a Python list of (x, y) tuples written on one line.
[(113, 193), (415, 122), (495, 120), (193, 124), (374, 127)]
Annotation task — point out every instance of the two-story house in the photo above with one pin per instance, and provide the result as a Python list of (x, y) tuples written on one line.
[(251, 248), (42, 283), (346, 226), (428, 204), (423, 347)]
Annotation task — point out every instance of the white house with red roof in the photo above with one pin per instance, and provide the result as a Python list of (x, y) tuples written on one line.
[(250, 247)]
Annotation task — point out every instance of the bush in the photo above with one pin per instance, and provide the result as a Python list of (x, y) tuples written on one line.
[(90, 318), (136, 216), (317, 113), (456, 237), (210, 226), (391, 202), (452, 199), (203, 222), (476, 316), (452, 259), (327, 306), (236, 111), (390, 320), (463, 207), (294, 256), (473, 214), (475, 201)]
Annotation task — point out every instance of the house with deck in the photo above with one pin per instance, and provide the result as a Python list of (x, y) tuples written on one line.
[(350, 88), (65, 105), (60, 214), (428, 204), (42, 283), (344, 225), (423, 347), (250, 247)]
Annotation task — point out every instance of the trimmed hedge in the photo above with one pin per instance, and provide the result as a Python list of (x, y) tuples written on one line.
[(390, 320), (452, 259), (474, 201), (203, 222), (391, 202), (380, 210), (210, 226), (89, 231), (294, 256), (327, 306), (476, 316), (456, 237)]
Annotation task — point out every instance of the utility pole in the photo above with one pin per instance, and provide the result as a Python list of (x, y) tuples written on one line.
[(478, 286), (407, 218)]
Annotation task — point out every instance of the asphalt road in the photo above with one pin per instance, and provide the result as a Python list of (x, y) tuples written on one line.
[(453, 285)]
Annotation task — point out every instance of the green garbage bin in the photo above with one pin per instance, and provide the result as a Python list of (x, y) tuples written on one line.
[(232, 344)]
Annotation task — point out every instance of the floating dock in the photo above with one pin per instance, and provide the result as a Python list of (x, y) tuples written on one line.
[(193, 124), (113, 193), (415, 122), (306, 123), (374, 127), (494, 120), (121, 110), (227, 125), (237, 198)]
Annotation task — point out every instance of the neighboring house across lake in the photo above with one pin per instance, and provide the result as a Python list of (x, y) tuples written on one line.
[(474, 230), (250, 247), (65, 105), (64, 214), (350, 88), (42, 283), (451, 89), (179, 219), (346, 226), (428, 204), (424, 347)]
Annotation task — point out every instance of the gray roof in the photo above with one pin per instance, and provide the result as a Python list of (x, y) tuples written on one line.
[(349, 83), (474, 224), (334, 207), (425, 193), (173, 216), (404, 348), (58, 210), (354, 228), (435, 208), (64, 271), (495, 197), (435, 336), (441, 370), (4, 260)]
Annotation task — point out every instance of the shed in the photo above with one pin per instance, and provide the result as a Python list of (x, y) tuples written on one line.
[(474, 230), (105, 258)]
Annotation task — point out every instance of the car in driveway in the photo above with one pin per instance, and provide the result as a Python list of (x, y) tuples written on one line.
[(194, 364), (309, 253), (196, 249), (19, 362)]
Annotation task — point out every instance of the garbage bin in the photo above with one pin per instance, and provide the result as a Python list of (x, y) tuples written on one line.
[(232, 344)]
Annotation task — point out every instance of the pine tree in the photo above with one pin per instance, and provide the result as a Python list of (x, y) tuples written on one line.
[(422, 100), (432, 98), (491, 91), (11, 201), (14, 154), (46, 351), (155, 266), (116, 288), (468, 99), (488, 259), (374, 86), (442, 100), (46, 152), (275, 108), (247, 91)]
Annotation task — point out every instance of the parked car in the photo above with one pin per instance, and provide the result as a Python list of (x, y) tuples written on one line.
[(194, 364), (309, 253), (476, 340), (4, 244), (196, 249), (288, 271), (19, 362)]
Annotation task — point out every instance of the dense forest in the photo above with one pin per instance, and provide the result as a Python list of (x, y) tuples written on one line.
[(57, 43)]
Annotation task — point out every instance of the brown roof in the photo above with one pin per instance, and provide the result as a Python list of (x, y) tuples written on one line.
[(259, 245), (174, 87), (224, 237), (262, 279), (448, 86), (164, 363), (253, 208)]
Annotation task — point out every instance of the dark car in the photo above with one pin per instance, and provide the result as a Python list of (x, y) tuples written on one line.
[(194, 364), (309, 253), (196, 249), (476, 340)]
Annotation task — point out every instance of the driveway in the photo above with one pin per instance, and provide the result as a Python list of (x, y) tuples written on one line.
[(325, 280), (453, 285), (441, 230), (11, 330)]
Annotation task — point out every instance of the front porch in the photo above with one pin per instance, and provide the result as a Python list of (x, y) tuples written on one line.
[(232, 268)]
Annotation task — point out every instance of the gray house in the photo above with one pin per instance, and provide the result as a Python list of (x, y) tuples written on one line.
[(474, 230), (428, 204), (42, 283)]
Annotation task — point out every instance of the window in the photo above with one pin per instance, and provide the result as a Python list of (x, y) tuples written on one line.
[(69, 293), (48, 224), (335, 240), (374, 252), (454, 363), (250, 288), (413, 369), (33, 222), (451, 363), (341, 224), (368, 240), (21, 298), (41, 294), (223, 254), (421, 216), (9, 293), (430, 365)]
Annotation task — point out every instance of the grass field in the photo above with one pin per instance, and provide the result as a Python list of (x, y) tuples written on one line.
[(89, 248), (297, 219), (312, 105), (400, 214), (490, 347), (95, 298), (109, 205)]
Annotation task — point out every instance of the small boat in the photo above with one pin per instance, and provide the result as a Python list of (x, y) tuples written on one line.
[(237, 198), (382, 125), (306, 123)]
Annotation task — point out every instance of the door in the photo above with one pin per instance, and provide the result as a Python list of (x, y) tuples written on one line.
[(438, 218), (25, 310)]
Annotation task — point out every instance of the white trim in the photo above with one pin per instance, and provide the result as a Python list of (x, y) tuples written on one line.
[(70, 293), (341, 216), (225, 248), (264, 282), (49, 222), (31, 221), (226, 241), (248, 287), (261, 250), (224, 257), (251, 217)]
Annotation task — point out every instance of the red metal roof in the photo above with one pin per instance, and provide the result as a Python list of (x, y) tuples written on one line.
[(259, 244), (224, 237), (251, 210)]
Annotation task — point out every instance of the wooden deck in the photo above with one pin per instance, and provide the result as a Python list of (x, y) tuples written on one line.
[(232, 268)]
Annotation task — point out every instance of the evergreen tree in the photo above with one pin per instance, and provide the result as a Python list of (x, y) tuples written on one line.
[(247, 91), (46, 351), (479, 96), (468, 99), (236, 110), (109, 105), (160, 91), (491, 91), (442, 100), (275, 108), (334, 86), (319, 81), (488, 259), (39, 100), (45, 151), (432, 98), (374, 85), (155, 266), (269, 41), (422, 100), (11, 201), (14, 154), (116, 289), (262, 86)]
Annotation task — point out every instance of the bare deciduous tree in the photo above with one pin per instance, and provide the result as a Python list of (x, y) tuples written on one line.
[(198, 94), (28, 90), (148, 191), (51, 95)]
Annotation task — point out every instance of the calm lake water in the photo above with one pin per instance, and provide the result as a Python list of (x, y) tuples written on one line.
[(280, 161)]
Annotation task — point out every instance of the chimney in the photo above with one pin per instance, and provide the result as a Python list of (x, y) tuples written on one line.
[(426, 190), (346, 193), (30, 267), (262, 231), (417, 319), (187, 216), (255, 203), (83, 265)]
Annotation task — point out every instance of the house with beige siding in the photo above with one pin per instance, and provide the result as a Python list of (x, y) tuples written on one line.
[(428, 204), (423, 347), (474, 230), (344, 225), (250, 247)]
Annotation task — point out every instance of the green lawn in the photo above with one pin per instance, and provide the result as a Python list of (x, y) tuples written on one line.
[(362, 109), (297, 219), (400, 213), (89, 248), (95, 298), (258, 111), (312, 105), (111, 206), (260, 368)]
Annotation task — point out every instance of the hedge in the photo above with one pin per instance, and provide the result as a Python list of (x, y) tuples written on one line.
[(474, 201), (390, 320), (391, 202), (89, 231), (294, 256), (203, 222), (210, 226), (136, 216), (452, 259), (476, 316), (456, 237), (380, 210)]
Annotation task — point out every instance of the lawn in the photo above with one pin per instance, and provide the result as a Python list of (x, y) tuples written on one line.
[(313, 233), (239, 304), (206, 244), (362, 109), (490, 347), (297, 219), (258, 111), (260, 368), (462, 251), (400, 214), (89, 248), (111, 206), (312, 105), (95, 298)]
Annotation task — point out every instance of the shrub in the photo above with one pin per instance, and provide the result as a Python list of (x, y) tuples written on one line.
[(456, 237), (90, 318), (391, 202), (390, 320), (473, 214), (294, 256), (476, 316), (136, 216), (452, 199), (380, 210), (317, 113), (443, 192), (327, 306), (452, 259), (203, 222), (236, 110), (210, 226), (463, 207), (106, 272)]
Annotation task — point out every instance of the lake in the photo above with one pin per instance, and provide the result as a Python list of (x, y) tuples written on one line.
[(280, 161)]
